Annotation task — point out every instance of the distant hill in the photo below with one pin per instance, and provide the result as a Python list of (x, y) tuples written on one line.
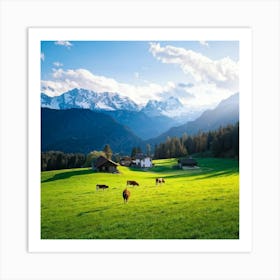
[(227, 112), (143, 126), (82, 130)]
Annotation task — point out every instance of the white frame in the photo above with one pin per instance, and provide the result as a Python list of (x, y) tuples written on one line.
[(243, 35), (262, 16)]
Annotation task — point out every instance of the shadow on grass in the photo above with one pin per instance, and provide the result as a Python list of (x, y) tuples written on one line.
[(67, 175), (219, 173), (203, 174)]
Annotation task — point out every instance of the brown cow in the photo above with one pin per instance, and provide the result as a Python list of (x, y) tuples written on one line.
[(126, 195), (132, 183), (159, 181), (101, 187)]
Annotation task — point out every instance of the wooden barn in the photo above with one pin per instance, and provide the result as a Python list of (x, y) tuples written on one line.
[(187, 163), (103, 164)]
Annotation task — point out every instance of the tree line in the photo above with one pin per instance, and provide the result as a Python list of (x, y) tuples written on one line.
[(223, 142), (55, 160)]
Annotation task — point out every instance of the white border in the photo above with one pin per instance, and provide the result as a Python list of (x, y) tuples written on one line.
[(243, 35)]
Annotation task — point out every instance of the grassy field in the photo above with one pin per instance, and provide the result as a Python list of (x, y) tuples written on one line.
[(192, 204)]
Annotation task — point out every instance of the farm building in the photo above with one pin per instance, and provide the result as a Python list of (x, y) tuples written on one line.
[(186, 163), (103, 164), (142, 161), (126, 161)]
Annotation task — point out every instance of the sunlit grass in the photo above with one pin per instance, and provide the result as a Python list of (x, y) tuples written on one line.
[(192, 204)]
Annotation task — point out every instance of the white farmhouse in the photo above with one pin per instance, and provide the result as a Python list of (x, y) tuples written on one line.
[(143, 161)]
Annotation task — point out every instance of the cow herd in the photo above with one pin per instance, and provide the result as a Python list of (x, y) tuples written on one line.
[(126, 192)]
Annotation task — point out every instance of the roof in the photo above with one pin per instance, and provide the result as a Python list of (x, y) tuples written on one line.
[(126, 158), (102, 160), (187, 161)]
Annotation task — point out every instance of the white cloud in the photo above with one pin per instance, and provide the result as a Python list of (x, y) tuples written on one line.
[(204, 43), (42, 56), (57, 64), (207, 96), (223, 73), (65, 80), (66, 44), (198, 96)]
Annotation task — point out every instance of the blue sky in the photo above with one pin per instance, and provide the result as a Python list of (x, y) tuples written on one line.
[(143, 70)]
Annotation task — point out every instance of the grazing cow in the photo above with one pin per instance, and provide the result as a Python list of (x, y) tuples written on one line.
[(159, 181), (101, 187), (132, 183), (126, 195)]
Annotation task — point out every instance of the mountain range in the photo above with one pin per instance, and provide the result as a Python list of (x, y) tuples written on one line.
[(87, 99), (227, 112), (146, 121), (82, 120)]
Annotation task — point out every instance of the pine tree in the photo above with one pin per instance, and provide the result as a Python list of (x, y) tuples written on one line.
[(108, 152), (135, 151), (148, 150)]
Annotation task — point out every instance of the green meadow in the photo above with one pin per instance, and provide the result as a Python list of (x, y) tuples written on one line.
[(192, 204)]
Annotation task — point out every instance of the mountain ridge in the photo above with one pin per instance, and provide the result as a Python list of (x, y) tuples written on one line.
[(122, 109), (83, 130), (226, 112), (107, 101), (87, 99)]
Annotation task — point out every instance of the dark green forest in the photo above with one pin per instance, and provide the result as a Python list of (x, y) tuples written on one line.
[(223, 142), (55, 160)]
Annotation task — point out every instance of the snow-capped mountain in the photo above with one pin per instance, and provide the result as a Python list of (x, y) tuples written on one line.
[(170, 107), (86, 99)]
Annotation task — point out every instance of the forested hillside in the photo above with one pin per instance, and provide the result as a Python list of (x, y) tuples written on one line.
[(223, 142)]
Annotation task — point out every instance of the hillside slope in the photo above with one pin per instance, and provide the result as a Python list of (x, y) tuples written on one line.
[(81, 130), (227, 112)]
